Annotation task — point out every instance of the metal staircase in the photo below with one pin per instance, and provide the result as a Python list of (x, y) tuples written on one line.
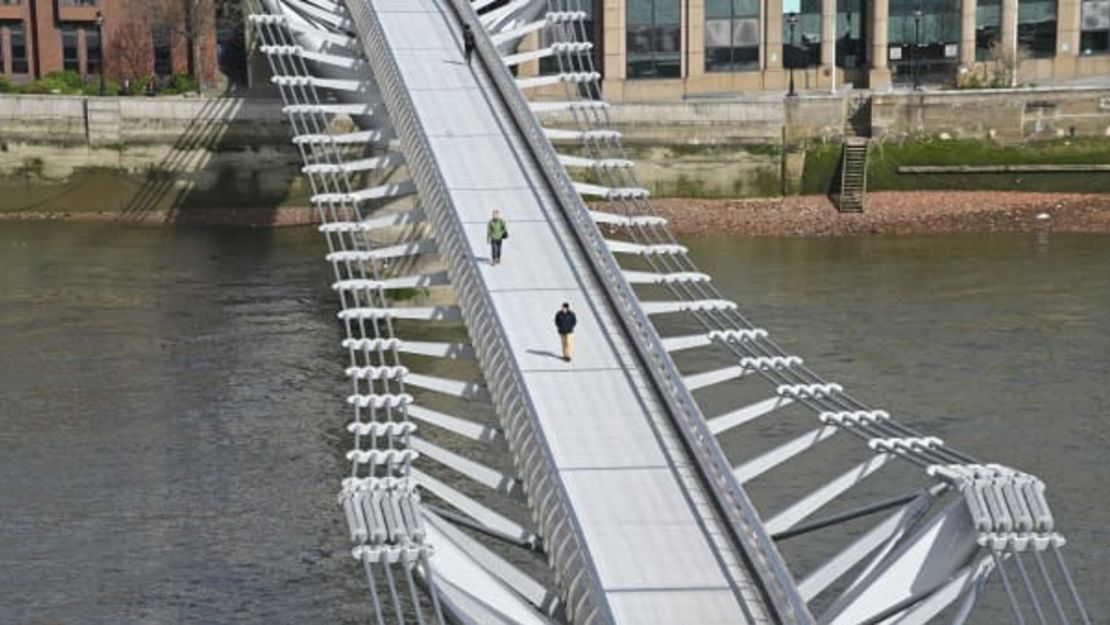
[(853, 174)]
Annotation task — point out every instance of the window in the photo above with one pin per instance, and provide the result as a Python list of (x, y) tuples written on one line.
[(850, 26), (78, 3), (92, 50), (1095, 28), (1037, 27), (731, 35), (70, 61), (654, 39), (17, 36), (804, 50), (938, 31), (988, 23), (163, 52)]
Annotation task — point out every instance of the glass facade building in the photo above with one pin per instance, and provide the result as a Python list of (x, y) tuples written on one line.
[(657, 50)]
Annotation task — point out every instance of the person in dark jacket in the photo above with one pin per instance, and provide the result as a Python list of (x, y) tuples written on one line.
[(565, 320), (468, 42)]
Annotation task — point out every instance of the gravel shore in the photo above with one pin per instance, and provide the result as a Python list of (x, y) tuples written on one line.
[(888, 212), (892, 212)]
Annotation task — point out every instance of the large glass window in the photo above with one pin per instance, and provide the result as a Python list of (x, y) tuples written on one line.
[(1037, 27), (92, 50), (163, 52), (18, 39), (851, 52), (931, 43), (70, 61), (731, 35), (988, 24), (654, 39), (1095, 27), (804, 49)]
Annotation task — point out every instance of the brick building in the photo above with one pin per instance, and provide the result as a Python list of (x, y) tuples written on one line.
[(140, 38)]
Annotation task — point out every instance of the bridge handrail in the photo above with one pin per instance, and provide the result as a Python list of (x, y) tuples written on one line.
[(585, 599), (741, 515)]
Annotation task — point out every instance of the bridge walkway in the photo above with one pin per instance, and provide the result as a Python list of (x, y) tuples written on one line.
[(658, 546)]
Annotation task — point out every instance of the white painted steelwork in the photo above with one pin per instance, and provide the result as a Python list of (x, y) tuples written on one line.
[(639, 512)]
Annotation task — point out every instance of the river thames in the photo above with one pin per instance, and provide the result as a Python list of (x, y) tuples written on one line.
[(172, 425)]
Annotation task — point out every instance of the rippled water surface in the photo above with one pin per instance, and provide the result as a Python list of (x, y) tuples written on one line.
[(170, 429), (171, 425)]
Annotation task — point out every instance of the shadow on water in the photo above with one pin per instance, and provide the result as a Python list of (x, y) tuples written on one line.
[(192, 184)]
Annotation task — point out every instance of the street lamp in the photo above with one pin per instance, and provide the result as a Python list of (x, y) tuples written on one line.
[(917, 13), (100, 36), (793, 22)]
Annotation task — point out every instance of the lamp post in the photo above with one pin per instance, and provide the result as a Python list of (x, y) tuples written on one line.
[(917, 14), (793, 22), (100, 36)]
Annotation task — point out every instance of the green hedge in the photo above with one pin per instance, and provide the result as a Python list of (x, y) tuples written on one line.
[(72, 83)]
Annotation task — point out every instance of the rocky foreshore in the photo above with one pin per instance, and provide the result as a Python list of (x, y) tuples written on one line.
[(887, 212), (892, 212)]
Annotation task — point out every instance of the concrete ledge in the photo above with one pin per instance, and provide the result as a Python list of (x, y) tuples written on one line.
[(118, 121)]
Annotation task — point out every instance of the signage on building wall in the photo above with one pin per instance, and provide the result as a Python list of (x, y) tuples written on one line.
[(950, 51), (791, 6), (896, 53)]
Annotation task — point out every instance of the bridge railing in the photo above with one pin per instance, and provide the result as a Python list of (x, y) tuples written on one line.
[(572, 562), (742, 519)]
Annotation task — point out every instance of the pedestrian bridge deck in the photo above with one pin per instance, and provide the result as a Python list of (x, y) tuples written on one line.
[(653, 537)]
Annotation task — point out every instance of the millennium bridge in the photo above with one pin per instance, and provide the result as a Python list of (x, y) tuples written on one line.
[(492, 482)]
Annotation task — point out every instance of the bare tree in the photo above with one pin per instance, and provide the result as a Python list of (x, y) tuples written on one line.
[(192, 20), (129, 46)]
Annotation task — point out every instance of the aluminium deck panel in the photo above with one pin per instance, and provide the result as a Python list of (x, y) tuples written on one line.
[(655, 560)]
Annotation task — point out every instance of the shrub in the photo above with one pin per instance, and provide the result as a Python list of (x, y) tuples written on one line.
[(180, 83), (139, 85), (6, 86), (111, 87), (63, 82)]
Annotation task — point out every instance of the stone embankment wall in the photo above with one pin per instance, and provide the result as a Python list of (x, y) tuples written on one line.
[(61, 153), (759, 146), (232, 152), (1004, 115)]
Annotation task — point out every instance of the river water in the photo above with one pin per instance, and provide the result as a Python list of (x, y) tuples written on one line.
[(171, 418)]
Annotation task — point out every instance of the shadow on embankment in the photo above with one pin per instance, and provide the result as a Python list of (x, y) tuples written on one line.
[(227, 167)]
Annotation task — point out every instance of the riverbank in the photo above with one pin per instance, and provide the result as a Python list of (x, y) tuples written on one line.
[(893, 212), (888, 212)]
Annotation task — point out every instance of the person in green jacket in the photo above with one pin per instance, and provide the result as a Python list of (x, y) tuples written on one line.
[(496, 232)]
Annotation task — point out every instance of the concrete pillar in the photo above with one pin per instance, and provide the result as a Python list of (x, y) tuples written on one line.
[(878, 32), (967, 32), (1068, 16), (615, 40), (1009, 25), (772, 38), (695, 38), (828, 36)]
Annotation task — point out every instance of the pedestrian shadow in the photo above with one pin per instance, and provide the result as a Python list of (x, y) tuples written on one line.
[(544, 352)]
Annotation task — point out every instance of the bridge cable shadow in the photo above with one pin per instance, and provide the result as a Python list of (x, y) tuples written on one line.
[(170, 186)]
